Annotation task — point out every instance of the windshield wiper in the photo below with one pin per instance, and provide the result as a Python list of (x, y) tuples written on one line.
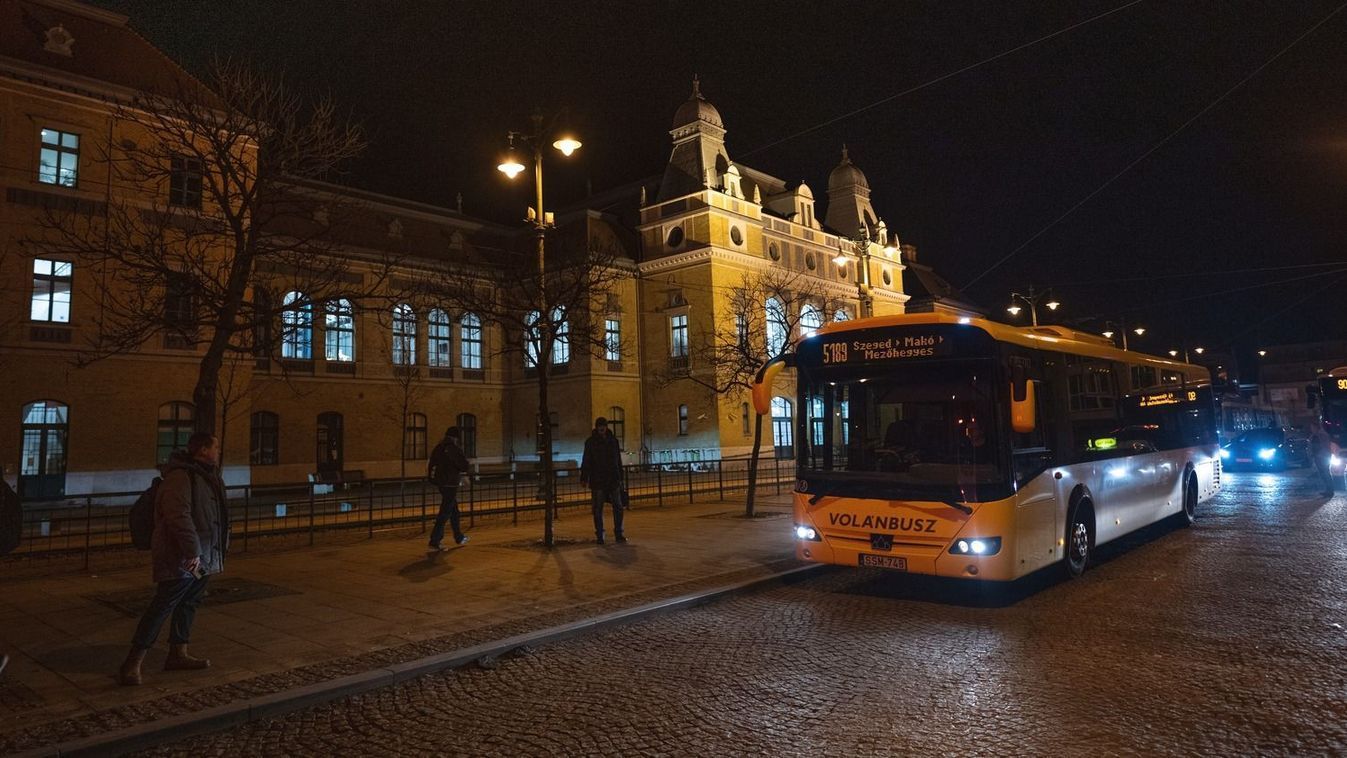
[(958, 506)]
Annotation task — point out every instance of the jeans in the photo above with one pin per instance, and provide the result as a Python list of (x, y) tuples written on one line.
[(180, 597), (613, 494), (448, 512), (1323, 465)]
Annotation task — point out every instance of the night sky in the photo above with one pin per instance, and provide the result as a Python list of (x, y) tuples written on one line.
[(968, 168)]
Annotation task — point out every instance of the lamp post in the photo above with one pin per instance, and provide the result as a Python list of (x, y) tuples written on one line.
[(566, 143), (1031, 300), (1111, 329), (861, 246)]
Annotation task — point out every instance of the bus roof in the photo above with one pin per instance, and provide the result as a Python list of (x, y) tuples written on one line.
[(1040, 337)]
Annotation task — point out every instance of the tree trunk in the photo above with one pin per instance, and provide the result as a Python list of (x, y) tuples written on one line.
[(205, 394), (753, 465), (545, 459)]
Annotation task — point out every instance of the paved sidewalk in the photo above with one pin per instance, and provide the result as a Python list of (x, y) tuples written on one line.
[(318, 611)]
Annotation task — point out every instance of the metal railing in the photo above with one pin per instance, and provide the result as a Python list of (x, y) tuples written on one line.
[(79, 527)]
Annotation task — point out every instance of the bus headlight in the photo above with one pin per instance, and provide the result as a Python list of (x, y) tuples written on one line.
[(976, 546), (1334, 460), (1267, 453), (1225, 453), (808, 533)]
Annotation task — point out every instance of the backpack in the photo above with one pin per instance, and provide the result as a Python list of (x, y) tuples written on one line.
[(142, 516), (11, 519)]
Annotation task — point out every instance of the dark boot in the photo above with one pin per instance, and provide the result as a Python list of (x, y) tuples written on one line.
[(129, 674), (179, 660)]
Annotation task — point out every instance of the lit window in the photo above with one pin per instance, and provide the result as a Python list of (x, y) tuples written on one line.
[(778, 331), (339, 331), (682, 420), (561, 338), (439, 342), (741, 332), (184, 182), (42, 458), (783, 419), (59, 159), (612, 339), (811, 319), (404, 335), (52, 282), (841, 315), (470, 341), (678, 336), (532, 339), (296, 327)]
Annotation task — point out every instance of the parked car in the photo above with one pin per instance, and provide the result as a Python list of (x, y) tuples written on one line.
[(1263, 449)]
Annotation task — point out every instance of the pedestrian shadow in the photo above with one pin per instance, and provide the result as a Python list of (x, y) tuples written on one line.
[(85, 659), (624, 555), (430, 567)]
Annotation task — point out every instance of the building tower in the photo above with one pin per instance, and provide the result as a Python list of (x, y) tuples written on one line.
[(698, 160)]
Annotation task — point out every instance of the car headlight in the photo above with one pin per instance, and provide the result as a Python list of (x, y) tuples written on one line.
[(1225, 453), (976, 546), (1267, 453), (1334, 460), (808, 533)]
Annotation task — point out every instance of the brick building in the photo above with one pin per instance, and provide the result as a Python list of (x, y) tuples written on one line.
[(331, 399)]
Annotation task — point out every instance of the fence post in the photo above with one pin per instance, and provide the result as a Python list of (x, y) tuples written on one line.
[(472, 502), (247, 501), (371, 505), (776, 469), (88, 527), (423, 507), (312, 486), (514, 495), (659, 484), (720, 477), (689, 482)]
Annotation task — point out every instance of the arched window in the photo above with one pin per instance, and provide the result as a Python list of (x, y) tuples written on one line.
[(532, 339), (339, 331), (467, 428), (264, 435), (404, 335), (470, 341), (811, 318), (296, 327), (414, 438), (42, 462), (617, 422), (682, 420), (744, 418), (783, 419), (177, 421), (778, 329), (439, 343), (561, 337)]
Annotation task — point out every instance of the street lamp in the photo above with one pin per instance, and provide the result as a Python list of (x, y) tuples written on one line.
[(1121, 328), (1262, 353), (510, 165), (861, 246), (1031, 300)]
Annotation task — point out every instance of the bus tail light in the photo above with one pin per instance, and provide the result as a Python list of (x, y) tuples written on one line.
[(976, 546), (807, 533)]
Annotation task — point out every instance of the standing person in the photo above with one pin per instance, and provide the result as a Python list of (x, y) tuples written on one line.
[(1321, 450), (191, 535), (447, 464), (601, 469)]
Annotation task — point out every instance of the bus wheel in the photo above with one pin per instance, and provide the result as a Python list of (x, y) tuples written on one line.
[(1078, 540), (1189, 514)]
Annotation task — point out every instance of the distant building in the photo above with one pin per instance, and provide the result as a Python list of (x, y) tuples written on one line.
[(326, 403)]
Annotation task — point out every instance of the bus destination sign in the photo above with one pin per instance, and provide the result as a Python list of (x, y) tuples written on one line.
[(870, 349), (1166, 398)]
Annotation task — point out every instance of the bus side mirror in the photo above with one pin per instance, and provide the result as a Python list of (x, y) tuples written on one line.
[(1023, 407), (761, 392)]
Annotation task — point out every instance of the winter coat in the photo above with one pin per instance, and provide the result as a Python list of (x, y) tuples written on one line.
[(191, 519), (602, 464), (447, 464)]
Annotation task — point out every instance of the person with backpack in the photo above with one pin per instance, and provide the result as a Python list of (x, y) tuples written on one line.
[(601, 469), (191, 535), (446, 466)]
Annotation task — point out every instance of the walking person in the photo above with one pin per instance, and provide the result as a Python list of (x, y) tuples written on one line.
[(1321, 450), (191, 535), (601, 469), (446, 466)]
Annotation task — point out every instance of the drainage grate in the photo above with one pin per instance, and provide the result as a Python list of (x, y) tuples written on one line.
[(219, 592)]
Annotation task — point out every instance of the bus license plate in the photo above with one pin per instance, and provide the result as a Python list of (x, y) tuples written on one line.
[(883, 561)]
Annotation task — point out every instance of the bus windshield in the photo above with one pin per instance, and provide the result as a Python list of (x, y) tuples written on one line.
[(919, 430)]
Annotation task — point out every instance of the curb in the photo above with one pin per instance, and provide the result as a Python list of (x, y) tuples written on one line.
[(276, 704)]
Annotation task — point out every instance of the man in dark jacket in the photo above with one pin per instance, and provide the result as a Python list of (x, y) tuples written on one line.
[(1321, 452), (601, 469), (446, 466), (191, 535)]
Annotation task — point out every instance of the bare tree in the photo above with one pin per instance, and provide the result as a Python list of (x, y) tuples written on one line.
[(397, 330), (208, 213), (505, 288), (765, 316)]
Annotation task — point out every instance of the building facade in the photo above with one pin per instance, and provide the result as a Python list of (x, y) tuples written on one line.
[(362, 389)]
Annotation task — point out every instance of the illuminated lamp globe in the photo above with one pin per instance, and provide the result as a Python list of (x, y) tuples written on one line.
[(510, 165), (1014, 310), (840, 260), (1053, 305), (1108, 334), (567, 145), (1140, 330), (1262, 353), (1199, 350), (1173, 353)]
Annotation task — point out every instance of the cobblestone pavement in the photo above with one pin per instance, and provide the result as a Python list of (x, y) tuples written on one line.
[(1227, 638)]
